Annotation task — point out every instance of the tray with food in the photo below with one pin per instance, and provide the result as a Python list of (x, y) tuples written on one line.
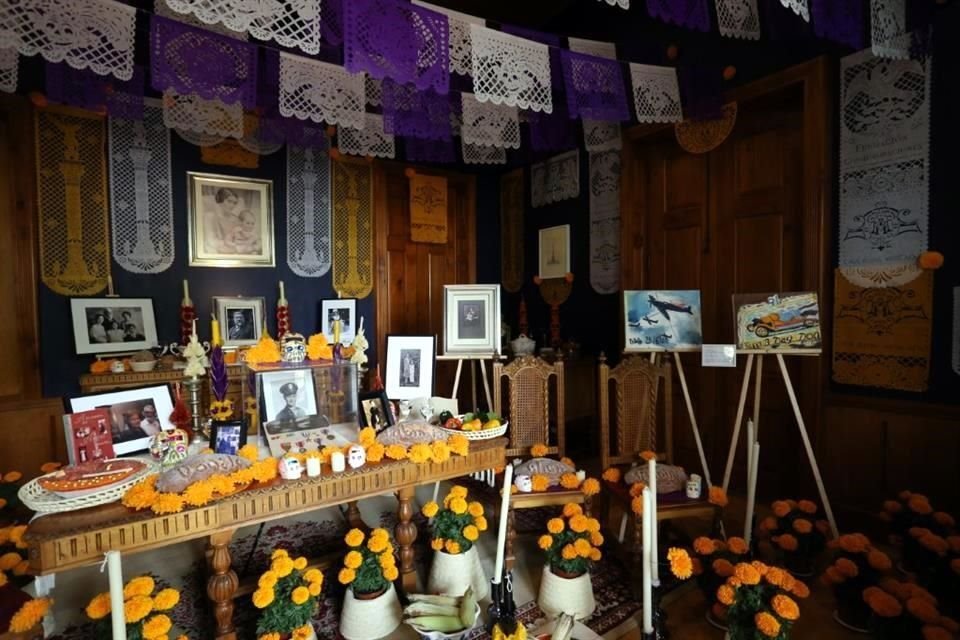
[(479, 425), (85, 485)]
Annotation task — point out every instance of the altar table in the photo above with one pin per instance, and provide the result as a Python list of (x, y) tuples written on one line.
[(58, 542)]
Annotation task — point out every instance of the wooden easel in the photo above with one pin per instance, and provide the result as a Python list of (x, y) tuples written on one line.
[(473, 359), (751, 459)]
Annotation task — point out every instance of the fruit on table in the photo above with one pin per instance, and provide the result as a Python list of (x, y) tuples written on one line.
[(472, 425), (452, 423), (491, 424)]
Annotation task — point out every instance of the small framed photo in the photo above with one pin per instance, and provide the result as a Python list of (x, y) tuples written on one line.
[(410, 366), (554, 252), (471, 315), (240, 318), (375, 410), (230, 221), (344, 310), (108, 325), (136, 415), (227, 437)]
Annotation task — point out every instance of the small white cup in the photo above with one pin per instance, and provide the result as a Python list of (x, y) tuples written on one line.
[(694, 485)]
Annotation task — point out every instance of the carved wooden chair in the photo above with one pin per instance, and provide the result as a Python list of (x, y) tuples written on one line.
[(630, 392)]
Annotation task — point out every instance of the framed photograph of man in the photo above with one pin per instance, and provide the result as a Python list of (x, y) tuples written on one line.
[(227, 437), (108, 325), (289, 395), (136, 415), (471, 319), (240, 318), (554, 252), (344, 310), (230, 221), (410, 366), (375, 410)]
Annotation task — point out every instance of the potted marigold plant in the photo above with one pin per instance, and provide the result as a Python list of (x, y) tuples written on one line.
[(856, 565), (370, 607), (905, 611), (712, 564), (911, 510), (144, 611), (456, 527), (760, 601), (571, 543), (286, 596), (796, 533)]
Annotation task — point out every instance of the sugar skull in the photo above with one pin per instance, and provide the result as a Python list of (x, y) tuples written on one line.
[(524, 483), (356, 456), (293, 348), (290, 468)]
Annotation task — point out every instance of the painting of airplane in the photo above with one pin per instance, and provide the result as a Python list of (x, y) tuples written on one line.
[(662, 320), (778, 322)]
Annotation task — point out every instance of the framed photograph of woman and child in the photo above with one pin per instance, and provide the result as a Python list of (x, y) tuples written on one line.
[(230, 222), (111, 325)]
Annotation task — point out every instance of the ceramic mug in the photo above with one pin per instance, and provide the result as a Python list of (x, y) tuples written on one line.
[(694, 484)]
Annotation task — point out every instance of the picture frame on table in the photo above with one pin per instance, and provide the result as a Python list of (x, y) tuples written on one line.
[(471, 315), (227, 436), (411, 362), (375, 410), (554, 252), (136, 415), (229, 221), (111, 325), (240, 318), (344, 310)]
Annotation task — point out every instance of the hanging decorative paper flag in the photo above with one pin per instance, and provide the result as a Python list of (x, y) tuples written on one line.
[(72, 192), (308, 211), (161, 8), (693, 14), (9, 64), (291, 23), (656, 93), (840, 21), (331, 22), (599, 135), (419, 150), (374, 89), (407, 111), (322, 92), (551, 131), (884, 159), (397, 40), (196, 61), (605, 221), (428, 209), (888, 29), (881, 335), (956, 330), (739, 18), (141, 200), (82, 88), (527, 86), (703, 136), (209, 117), (593, 48), (258, 138), (458, 36), (352, 191), (478, 154), (489, 125), (623, 4), (799, 7), (369, 141), (86, 34), (555, 179), (511, 230), (549, 39), (594, 87)]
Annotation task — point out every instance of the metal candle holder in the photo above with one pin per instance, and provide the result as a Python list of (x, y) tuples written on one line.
[(193, 399)]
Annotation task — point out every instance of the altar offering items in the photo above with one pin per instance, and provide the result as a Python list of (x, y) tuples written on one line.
[(712, 563), (265, 351), (371, 609), (283, 313), (146, 610), (778, 322), (475, 426), (143, 361), (442, 617), (195, 355), (220, 407), (135, 415), (28, 615), (88, 436), (89, 477), (759, 601), (856, 566), (286, 596), (571, 543), (293, 348), (187, 315), (456, 528), (797, 533)]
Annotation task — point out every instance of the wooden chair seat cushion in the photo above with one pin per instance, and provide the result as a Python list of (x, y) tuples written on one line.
[(483, 492), (675, 500), (670, 478)]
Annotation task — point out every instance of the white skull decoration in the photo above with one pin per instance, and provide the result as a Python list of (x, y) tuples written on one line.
[(524, 483), (290, 468), (293, 348), (356, 456)]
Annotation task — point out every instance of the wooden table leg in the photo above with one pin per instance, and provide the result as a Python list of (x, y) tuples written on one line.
[(222, 585), (406, 535), (508, 557), (354, 519)]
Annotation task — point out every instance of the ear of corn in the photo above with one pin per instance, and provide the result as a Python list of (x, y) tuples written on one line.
[(444, 624)]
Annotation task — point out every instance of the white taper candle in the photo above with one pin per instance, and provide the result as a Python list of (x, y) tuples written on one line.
[(751, 491), (647, 587), (502, 529), (654, 553), (115, 577)]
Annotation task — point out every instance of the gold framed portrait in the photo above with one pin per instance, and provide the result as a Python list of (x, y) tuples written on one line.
[(230, 221)]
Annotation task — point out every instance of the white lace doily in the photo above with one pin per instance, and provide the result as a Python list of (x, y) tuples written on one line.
[(555, 179), (461, 59), (489, 125), (9, 63), (161, 9), (374, 88), (476, 154), (600, 135), (318, 91), (605, 221), (141, 201), (799, 7), (86, 34), (623, 4), (739, 18), (656, 94), (369, 141), (291, 23), (891, 275), (593, 47), (888, 29), (210, 117), (510, 70), (308, 211)]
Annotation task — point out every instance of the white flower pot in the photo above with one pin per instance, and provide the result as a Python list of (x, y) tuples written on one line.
[(370, 619), (452, 574), (566, 595)]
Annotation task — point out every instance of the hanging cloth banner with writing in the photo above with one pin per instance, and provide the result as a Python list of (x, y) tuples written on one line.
[(72, 191), (428, 209), (605, 221), (308, 211), (881, 335), (555, 179), (511, 230), (352, 190), (884, 159)]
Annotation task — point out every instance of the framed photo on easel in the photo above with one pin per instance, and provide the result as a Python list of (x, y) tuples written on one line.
[(471, 315)]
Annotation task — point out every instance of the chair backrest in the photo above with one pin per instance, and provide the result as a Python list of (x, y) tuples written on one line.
[(635, 385), (528, 382)]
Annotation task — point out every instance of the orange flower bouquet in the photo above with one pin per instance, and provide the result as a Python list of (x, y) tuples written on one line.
[(911, 510), (456, 528), (761, 601), (146, 610), (572, 542), (856, 565), (905, 611), (796, 532), (712, 563), (286, 596)]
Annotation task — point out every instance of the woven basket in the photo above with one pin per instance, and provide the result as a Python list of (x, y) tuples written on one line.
[(566, 595), (486, 434), (452, 574), (370, 619), (43, 501)]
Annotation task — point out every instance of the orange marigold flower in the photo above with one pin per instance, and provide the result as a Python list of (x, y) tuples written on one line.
[(847, 567), (722, 568), (637, 488), (923, 610), (396, 451), (437, 544), (680, 564), (768, 524), (807, 506), (747, 574), (919, 504), (569, 552), (832, 575), (892, 506), (452, 547), (786, 542), (555, 525), (780, 508), (568, 461), (802, 526), (648, 455), (737, 545), (459, 444), (538, 450), (767, 624), (569, 481), (943, 519), (572, 509), (717, 496), (49, 467), (704, 546), (931, 632), (611, 474), (636, 505), (420, 453), (761, 568), (167, 503), (800, 589), (590, 487), (725, 594), (882, 604), (540, 482), (29, 615), (775, 576), (582, 545), (785, 607), (879, 560), (579, 523), (440, 452), (934, 543), (545, 542)]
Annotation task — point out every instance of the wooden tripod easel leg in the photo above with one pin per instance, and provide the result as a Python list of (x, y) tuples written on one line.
[(486, 386), (806, 443), (456, 378), (693, 418), (731, 454), (757, 385)]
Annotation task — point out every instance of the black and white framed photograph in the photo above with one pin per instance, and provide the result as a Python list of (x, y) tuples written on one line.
[(344, 310), (471, 315), (410, 366), (110, 325), (288, 396), (240, 318), (230, 221), (375, 410), (554, 252), (136, 415), (227, 437)]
